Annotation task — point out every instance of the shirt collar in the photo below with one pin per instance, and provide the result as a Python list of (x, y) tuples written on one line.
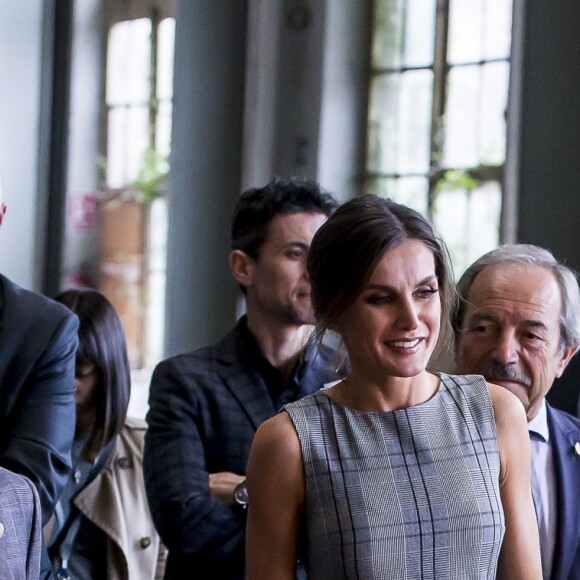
[(539, 424)]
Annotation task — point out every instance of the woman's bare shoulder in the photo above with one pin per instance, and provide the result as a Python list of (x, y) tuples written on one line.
[(507, 407), (276, 435)]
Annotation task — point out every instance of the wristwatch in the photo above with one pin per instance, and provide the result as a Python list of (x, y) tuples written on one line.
[(241, 494)]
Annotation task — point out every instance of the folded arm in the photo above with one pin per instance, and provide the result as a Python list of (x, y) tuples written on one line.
[(187, 504)]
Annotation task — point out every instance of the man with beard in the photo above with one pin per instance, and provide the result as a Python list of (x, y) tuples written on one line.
[(206, 405), (517, 323)]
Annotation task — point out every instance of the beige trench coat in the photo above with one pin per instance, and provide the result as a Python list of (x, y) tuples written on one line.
[(115, 501)]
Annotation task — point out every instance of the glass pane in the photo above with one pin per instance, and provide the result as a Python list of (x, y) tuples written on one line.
[(388, 33), (399, 122), (465, 31), (137, 141), (118, 36), (415, 121), (468, 222), (128, 66), (116, 139), (382, 186), (463, 102), (497, 29), (163, 144), (411, 191), (165, 49), (156, 279), (493, 113), (419, 33), (383, 124)]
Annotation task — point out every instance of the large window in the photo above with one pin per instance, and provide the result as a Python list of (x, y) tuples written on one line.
[(138, 96), (136, 147), (437, 115)]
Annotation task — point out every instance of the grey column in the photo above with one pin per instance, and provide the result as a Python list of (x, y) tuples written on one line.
[(547, 144), (205, 170), (549, 127)]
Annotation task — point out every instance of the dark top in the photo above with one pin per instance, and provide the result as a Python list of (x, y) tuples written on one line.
[(281, 391)]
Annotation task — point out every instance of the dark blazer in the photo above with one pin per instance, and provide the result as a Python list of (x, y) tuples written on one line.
[(20, 527), (38, 342), (565, 435), (205, 407)]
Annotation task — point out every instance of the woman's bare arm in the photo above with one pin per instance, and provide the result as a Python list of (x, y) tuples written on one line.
[(519, 558), (276, 487)]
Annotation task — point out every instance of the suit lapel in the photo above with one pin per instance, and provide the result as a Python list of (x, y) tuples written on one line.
[(567, 468), (243, 381)]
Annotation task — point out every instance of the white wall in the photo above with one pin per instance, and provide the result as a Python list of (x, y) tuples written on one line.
[(20, 79)]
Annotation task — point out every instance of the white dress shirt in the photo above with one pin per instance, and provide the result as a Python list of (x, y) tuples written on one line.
[(544, 486)]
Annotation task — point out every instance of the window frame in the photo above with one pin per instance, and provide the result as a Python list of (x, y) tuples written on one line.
[(441, 69)]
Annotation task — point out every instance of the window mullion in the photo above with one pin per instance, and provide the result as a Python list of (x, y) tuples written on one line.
[(153, 103), (440, 72)]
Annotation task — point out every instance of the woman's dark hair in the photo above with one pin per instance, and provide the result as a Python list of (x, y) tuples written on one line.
[(347, 248), (102, 343)]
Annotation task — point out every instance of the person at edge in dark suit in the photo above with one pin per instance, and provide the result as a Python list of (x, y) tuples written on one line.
[(38, 342), (517, 322), (206, 405)]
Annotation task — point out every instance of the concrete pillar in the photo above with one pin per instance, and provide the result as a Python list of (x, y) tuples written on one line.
[(205, 170)]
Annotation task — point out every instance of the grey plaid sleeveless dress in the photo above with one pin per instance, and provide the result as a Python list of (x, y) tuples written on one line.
[(410, 494)]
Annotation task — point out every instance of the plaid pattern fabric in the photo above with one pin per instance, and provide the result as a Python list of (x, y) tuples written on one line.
[(20, 527), (205, 408), (412, 493)]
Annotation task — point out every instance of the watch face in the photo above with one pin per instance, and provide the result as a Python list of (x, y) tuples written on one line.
[(241, 493)]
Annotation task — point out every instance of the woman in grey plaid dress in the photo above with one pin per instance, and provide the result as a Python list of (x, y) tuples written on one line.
[(394, 472)]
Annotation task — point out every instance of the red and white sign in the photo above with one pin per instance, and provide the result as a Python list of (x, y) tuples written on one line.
[(83, 212)]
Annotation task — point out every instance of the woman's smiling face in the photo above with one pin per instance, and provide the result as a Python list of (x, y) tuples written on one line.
[(393, 325)]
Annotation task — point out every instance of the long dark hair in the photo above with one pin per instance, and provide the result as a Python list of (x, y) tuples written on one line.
[(102, 343)]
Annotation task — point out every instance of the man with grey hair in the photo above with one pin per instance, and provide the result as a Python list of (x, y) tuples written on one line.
[(517, 323)]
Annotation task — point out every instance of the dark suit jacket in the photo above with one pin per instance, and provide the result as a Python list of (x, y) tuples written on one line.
[(20, 527), (565, 434), (38, 341), (205, 407)]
